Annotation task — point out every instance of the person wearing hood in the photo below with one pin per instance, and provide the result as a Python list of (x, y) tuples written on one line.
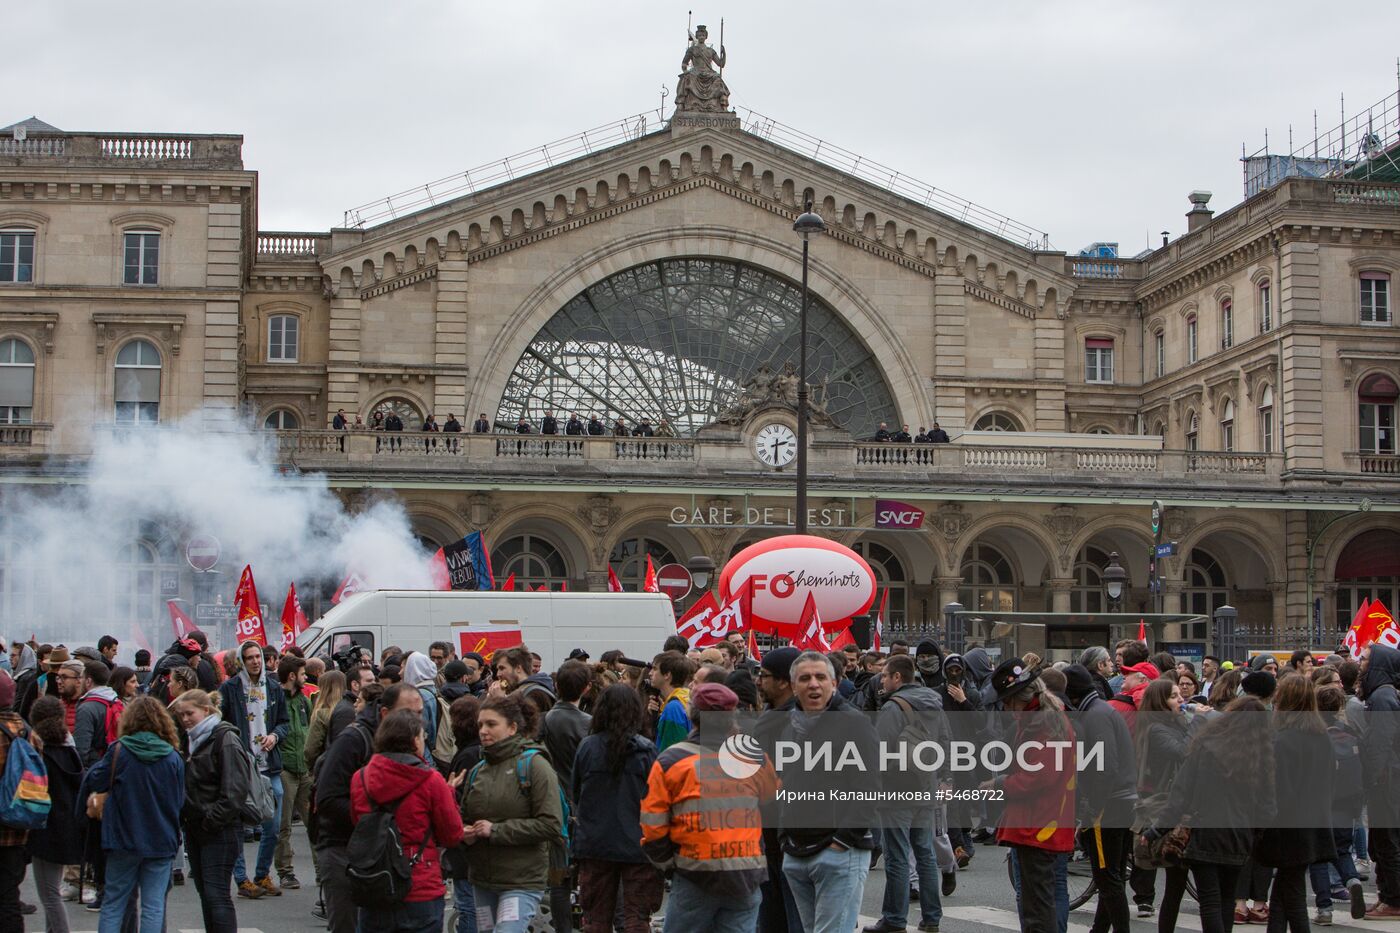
[(59, 843), (910, 714), (254, 701), (513, 816), (1104, 796), (99, 703), (1380, 769), (140, 782), (979, 672), (962, 701), (183, 652), (422, 672), (398, 778), (24, 668), (1136, 677), (928, 659)]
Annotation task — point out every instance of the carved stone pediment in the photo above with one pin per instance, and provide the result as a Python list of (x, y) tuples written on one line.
[(951, 520), (1065, 522), (39, 326), (480, 510), (113, 325), (600, 513)]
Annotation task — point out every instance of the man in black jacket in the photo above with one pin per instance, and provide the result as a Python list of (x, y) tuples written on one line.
[(350, 752), (595, 426), (344, 712), (1380, 768), (1104, 797), (963, 703), (481, 425), (937, 435), (574, 427), (777, 912)]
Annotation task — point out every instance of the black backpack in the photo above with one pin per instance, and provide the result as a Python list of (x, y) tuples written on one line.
[(381, 873)]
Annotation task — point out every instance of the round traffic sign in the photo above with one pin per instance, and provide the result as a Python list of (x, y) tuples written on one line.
[(674, 580), (202, 552)]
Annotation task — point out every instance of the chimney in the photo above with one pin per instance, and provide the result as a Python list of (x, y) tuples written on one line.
[(1199, 215)]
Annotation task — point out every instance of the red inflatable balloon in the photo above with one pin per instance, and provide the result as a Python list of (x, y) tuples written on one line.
[(786, 569)]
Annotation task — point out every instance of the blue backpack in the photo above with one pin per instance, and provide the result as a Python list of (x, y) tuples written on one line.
[(24, 787), (522, 776)]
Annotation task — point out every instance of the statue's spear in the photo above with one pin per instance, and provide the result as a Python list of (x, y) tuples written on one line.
[(721, 46), (689, 15)]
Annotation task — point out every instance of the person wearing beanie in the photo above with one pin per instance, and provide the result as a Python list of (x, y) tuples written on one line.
[(1259, 684), (928, 658), (717, 864), (1264, 662), (1104, 797), (744, 688)]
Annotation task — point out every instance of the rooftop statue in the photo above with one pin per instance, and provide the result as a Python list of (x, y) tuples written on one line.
[(702, 88)]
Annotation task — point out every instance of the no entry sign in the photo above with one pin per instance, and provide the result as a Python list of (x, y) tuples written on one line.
[(202, 552), (674, 581)]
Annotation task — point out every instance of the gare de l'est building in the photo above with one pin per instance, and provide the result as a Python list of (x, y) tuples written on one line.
[(1245, 374)]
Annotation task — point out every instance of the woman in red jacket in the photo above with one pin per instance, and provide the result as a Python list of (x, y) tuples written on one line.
[(427, 810)]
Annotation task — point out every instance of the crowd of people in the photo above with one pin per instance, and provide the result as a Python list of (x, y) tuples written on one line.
[(427, 779)]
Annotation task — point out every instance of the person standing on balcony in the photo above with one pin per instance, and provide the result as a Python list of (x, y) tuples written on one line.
[(620, 428), (574, 427), (595, 426), (550, 424), (451, 426), (937, 435), (394, 425), (482, 425), (883, 435), (902, 436), (430, 426), (338, 423), (643, 429), (523, 426)]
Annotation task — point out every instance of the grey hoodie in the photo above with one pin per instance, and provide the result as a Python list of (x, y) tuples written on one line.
[(90, 724)]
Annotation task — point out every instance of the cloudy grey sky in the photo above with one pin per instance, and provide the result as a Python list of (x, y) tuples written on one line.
[(1091, 122)]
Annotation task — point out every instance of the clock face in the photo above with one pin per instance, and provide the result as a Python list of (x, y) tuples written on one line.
[(775, 445)]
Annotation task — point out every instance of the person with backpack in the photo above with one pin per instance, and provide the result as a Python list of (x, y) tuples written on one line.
[(254, 702), (348, 753), (514, 812), (13, 838), (59, 843), (99, 712), (296, 777), (216, 789), (405, 814), (421, 671), (138, 789)]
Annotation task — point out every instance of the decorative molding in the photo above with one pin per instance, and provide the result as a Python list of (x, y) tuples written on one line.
[(600, 513), (951, 520), (480, 510), (997, 298), (412, 277), (36, 325), (113, 325), (1065, 522)]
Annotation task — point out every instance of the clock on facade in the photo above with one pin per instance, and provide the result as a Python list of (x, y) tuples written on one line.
[(775, 445)]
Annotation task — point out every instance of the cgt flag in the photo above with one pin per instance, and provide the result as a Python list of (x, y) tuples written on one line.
[(352, 584), (649, 583), (180, 621), (293, 619), (465, 565), (809, 630), (614, 584), (1373, 624), (250, 620)]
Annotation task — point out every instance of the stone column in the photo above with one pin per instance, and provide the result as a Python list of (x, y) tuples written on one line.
[(1061, 588), (597, 581), (1171, 595), (947, 593)]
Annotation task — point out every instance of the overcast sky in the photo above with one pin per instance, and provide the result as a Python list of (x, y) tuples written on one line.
[(1089, 122)]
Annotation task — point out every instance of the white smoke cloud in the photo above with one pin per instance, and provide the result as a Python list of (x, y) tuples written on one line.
[(73, 564)]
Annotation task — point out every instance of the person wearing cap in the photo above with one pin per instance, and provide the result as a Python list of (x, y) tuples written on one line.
[(454, 684), (1104, 796), (1037, 823), (778, 911), (477, 675), (826, 828), (1136, 677), (13, 856), (701, 821)]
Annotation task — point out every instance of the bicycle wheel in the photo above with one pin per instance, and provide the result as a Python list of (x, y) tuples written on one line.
[(1079, 878)]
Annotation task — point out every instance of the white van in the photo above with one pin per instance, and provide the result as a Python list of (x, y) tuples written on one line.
[(550, 624)]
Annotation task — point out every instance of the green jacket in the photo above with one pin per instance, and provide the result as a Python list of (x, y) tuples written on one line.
[(522, 825), (294, 745)]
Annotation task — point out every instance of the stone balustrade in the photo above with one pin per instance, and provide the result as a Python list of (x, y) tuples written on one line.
[(149, 149), (24, 439), (282, 245)]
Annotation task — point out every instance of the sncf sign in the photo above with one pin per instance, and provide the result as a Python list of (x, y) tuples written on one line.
[(892, 514)]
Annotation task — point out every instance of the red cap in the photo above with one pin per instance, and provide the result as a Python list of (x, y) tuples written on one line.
[(1146, 669)]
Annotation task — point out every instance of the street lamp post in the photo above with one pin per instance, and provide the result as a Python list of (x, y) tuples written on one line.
[(806, 224), (1114, 576), (701, 569)]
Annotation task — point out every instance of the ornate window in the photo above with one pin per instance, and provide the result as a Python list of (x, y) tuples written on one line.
[(1227, 426), (1206, 586), (1376, 414), (1266, 307), (1193, 432), (17, 255), (889, 576), (629, 560), (281, 420), (1266, 420), (1098, 360), (534, 561), (137, 388), (1193, 343), (141, 257), (1088, 594), (16, 382), (282, 332), (678, 339), (1375, 298), (988, 580), (407, 411), (1227, 324), (996, 421)]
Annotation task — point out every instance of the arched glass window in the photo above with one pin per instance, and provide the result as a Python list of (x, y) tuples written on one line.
[(16, 382), (1266, 420), (1266, 307), (889, 576), (1206, 586), (1193, 342), (1193, 432), (1099, 429), (996, 421), (282, 333), (407, 411), (146, 573), (1376, 414), (17, 255), (534, 561), (137, 386), (1227, 324), (629, 560), (1088, 594), (282, 420), (1227, 426), (1368, 568), (988, 580), (680, 339)]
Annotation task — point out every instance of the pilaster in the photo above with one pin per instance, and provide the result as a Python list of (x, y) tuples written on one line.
[(450, 338), (1302, 401), (342, 371), (949, 348), (221, 358), (1061, 589)]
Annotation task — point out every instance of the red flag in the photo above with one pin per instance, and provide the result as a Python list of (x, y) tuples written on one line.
[(437, 569), (878, 635), (352, 584), (250, 620), (809, 629), (695, 625), (649, 584), (182, 623), (542, 588), (293, 619), (509, 585), (1352, 639), (1377, 627), (564, 587), (843, 639), (1142, 631), (753, 647), (614, 584)]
